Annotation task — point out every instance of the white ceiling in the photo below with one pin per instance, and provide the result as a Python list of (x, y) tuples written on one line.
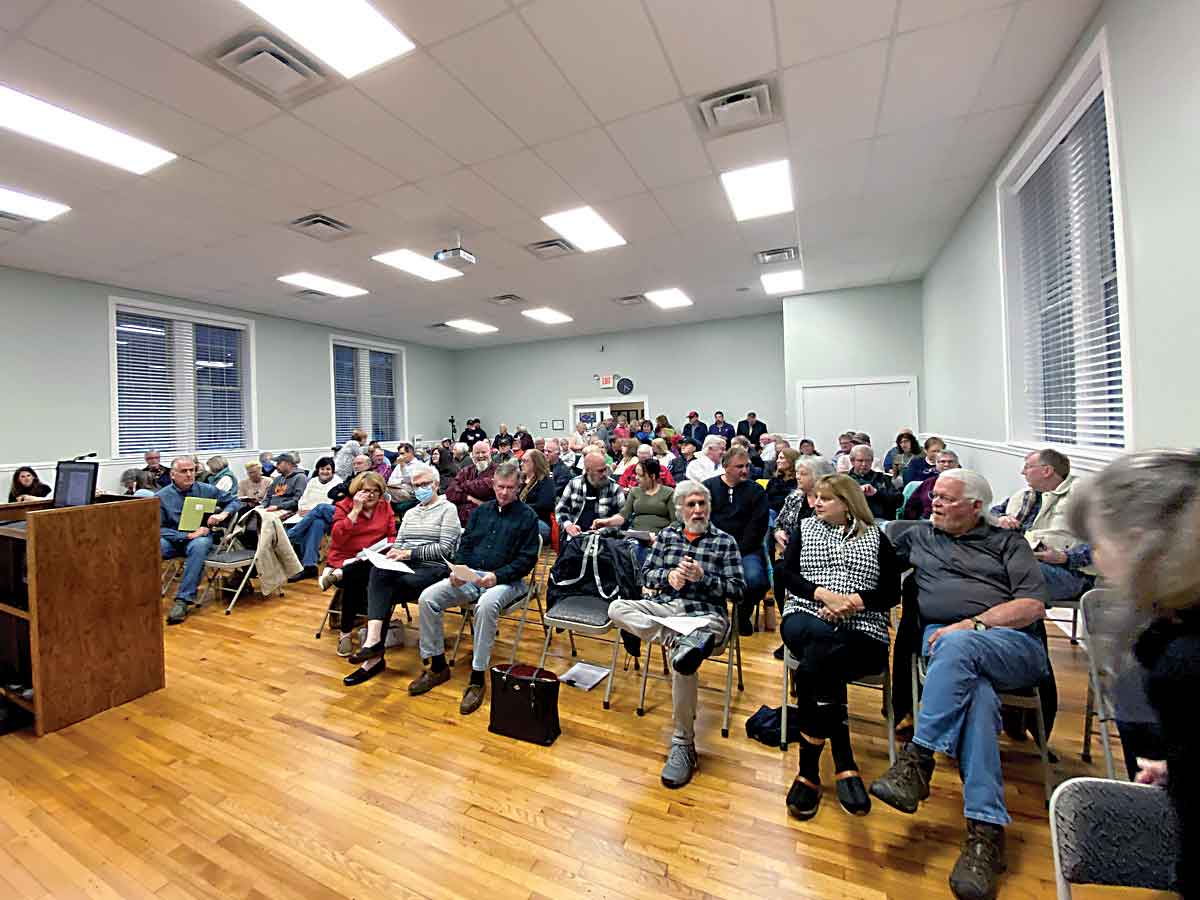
[(895, 112)]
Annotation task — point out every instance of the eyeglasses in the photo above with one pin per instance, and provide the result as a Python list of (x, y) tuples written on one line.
[(942, 498)]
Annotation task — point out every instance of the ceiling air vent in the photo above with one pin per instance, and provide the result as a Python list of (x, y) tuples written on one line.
[(321, 227), (551, 249), (15, 224), (436, 326), (310, 294), (733, 110), (271, 67), (778, 255), (630, 300), (506, 299)]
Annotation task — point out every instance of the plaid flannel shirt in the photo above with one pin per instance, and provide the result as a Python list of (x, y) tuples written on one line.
[(610, 498), (715, 551)]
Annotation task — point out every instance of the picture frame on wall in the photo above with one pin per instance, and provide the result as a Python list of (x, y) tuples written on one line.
[(543, 424), (558, 425)]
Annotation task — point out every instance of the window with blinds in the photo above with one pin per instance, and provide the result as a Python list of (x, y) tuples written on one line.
[(1065, 327), (181, 384), (364, 392)]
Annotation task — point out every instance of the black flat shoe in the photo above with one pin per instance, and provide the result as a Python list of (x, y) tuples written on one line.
[(358, 676), (804, 799), (852, 794), (367, 652), (779, 651)]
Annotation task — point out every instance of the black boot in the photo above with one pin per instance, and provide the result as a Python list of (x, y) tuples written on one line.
[(906, 784), (632, 643), (982, 860), (692, 650)]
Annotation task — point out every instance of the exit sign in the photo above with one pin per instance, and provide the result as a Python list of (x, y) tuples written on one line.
[(608, 382)]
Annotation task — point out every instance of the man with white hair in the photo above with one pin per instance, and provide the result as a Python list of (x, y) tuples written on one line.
[(707, 462), (981, 596), (591, 500), (629, 478), (882, 497), (472, 486), (560, 471), (694, 567)]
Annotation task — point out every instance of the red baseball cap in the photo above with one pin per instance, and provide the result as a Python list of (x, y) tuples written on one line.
[(693, 413)]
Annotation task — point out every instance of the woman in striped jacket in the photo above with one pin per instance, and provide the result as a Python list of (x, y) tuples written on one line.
[(428, 536)]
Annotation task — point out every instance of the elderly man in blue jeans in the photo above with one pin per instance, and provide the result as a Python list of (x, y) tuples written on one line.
[(981, 595), (194, 546)]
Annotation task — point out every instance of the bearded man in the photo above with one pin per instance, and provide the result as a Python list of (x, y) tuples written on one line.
[(472, 486)]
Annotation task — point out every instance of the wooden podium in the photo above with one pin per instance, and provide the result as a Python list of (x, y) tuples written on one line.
[(80, 612)]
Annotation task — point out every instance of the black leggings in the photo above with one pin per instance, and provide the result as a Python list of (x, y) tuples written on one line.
[(354, 593), (387, 588)]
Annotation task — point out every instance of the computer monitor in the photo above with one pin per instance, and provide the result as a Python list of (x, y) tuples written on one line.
[(75, 483)]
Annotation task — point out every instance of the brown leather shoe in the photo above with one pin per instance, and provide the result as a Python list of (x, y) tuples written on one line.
[(428, 680), (472, 699)]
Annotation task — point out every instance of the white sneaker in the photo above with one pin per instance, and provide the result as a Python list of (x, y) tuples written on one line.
[(329, 577)]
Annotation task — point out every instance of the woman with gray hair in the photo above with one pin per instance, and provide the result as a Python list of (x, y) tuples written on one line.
[(138, 483), (221, 477), (1141, 514)]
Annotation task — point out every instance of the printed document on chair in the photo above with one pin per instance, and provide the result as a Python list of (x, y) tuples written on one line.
[(381, 561), (680, 624)]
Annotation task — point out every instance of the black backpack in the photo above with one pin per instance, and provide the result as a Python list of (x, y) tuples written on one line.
[(594, 566)]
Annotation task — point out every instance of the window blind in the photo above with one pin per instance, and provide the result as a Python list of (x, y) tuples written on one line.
[(1069, 315), (364, 392), (180, 384)]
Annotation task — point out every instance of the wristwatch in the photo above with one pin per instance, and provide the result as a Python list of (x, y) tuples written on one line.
[(978, 626)]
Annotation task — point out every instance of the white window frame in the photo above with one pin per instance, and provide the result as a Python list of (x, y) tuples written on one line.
[(401, 354), (1091, 76), (189, 314)]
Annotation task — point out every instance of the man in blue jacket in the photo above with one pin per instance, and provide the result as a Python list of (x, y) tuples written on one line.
[(193, 545), (720, 427), (696, 430)]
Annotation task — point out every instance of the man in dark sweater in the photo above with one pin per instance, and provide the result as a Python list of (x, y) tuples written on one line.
[(740, 509), (498, 548), (472, 434), (695, 430), (882, 496), (751, 427), (720, 427), (558, 471)]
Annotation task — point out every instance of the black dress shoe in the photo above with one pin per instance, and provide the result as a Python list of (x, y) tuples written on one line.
[(692, 650), (804, 799), (358, 676), (779, 652), (852, 794), (306, 572), (367, 652), (632, 643)]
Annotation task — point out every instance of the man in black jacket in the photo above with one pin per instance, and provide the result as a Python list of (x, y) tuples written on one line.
[(561, 474), (472, 434), (750, 427), (882, 496), (740, 509), (696, 430)]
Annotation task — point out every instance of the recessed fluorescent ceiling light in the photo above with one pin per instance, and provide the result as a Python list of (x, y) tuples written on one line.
[(782, 282), (758, 191), (350, 35), (415, 264), (670, 298), (30, 207), (37, 119), (584, 228), (472, 326), (547, 316), (324, 285)]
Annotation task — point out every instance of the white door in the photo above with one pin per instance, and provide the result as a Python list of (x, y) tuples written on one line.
[(825, 412), (879, 406)]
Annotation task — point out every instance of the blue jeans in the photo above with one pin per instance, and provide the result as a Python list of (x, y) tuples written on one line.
[(309, 531), (1062, 583), (544, 531), (438, 598), (754, 565), (196, 551), (960, 709)]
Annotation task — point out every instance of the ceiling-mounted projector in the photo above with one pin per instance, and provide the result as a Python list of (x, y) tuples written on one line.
[(455, 258)]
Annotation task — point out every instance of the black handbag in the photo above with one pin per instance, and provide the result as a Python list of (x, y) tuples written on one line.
[(524, 703)]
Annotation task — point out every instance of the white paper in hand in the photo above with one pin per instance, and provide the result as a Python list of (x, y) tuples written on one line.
[(464, 573), (680, 624), (380, 561)]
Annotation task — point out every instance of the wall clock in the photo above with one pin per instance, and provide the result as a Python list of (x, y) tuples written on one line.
[(625, 386)]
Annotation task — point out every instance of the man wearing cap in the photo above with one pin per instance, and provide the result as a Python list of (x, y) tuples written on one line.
[(472, 433), (687, 452), (287, 487), (750, 427), (720, 427), (696, 430)]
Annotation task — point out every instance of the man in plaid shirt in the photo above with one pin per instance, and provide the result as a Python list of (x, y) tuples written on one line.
[(694, 567), (590, 501)]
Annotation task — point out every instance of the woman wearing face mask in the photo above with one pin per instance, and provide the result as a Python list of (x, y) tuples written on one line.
[(429, 534)]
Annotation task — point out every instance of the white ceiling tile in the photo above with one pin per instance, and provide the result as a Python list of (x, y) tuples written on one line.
[(421, 93), (830, 218), (249, 165), (350, 117), (835, 101), (936, 72), (809, 29), (1042, 34), (823, 172), (637, 218), (592, 165), (894, 207), (608, 51), (662, 145), (200, 183), (430, 21), (973, 159), (715, 44), (26, 67), (419, 211), (524, 177), (950, 198), (55, 174), (769, 233), (911, 157), (749, 148), (289, 139), (504, 66), (195, 28), (466, 191), (999, 126), (14, 14), (106, 44), (695, 203), (916, 14), (497, 249)]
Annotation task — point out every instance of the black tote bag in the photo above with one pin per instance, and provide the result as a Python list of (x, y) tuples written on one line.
[(524, 703)]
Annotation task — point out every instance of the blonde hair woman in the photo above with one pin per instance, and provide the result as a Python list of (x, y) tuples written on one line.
[(662, 452)]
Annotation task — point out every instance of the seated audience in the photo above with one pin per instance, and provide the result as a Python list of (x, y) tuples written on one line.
[(783, 482), (845, 445), (649, 505), (462, 455), (628, 460), (687, 452), (316, 511), (663, 428), (538, 489), (897, 459), (154, 466), (739, 508), (768, 449), (472, 434), (604, 433), (343, 460), (630, 478), (981, 597), (721, 428), (695, 430), (560, 469), (194, 545), (882, 496), (591, 500), (286, 487), (501, 434), (341, 489), (807, 447), (220, 475), (26, 486), (1141, 513), (359, 521), (919, 505), (523, 440), (707, 462), (800, 503), (839, 578), (136, 482), (400, 481), (264, 460), (751, 428), (695, 568), (1042, 515), (569, 450), (442, 460), (427, 537), (472, 486), (379, 464), (499, 547), (253, 488), (504, 450), (661, 451), (620, 431), (643, 432), (922, 467)]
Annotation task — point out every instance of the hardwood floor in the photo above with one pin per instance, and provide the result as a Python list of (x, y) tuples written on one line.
[(255, 774)]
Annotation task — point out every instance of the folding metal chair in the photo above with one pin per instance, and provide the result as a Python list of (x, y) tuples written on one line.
[(335, 609), (508, 613), (587, 616), (1105, 620), (172, 571), (228, 556)]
